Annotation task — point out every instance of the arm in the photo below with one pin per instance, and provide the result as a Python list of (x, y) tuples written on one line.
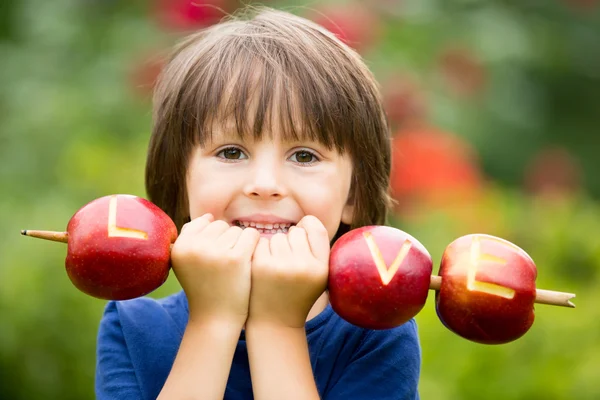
[(202, 365), (289, 273), (212, 263), (279, 362)]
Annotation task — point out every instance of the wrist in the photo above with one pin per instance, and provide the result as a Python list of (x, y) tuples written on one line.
[(271, 324), (223, 323)]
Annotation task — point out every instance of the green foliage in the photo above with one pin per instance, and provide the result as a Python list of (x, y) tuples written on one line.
[(73, 128), (555, 359)]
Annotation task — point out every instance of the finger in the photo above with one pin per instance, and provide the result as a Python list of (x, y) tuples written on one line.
[(247, 242), (198, 224), (229, 237), (262, 250), (215, 229), (279, 245), (298, 240), (318, 238)]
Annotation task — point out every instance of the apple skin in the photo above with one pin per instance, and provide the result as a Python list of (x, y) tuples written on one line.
[(119, 268), (356, 290), (479, 316)]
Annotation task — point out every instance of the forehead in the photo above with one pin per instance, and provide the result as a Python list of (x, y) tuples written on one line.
[(275, 130), (258, 104)]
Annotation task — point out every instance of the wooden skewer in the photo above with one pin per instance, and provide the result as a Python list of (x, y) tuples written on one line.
[(47, 235), (542, 296)]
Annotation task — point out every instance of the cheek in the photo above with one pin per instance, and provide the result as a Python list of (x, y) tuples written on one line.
[(326, 201), (207, 197)]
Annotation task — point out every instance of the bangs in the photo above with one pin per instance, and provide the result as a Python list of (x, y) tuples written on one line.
[(255, 86)]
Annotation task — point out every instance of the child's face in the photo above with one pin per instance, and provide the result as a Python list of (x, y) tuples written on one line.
[(268, 181)]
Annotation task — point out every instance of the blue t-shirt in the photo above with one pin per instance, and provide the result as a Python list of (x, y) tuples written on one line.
[(138, 340)]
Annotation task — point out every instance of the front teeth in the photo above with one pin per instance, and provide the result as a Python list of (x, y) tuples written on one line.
[(265, 228)]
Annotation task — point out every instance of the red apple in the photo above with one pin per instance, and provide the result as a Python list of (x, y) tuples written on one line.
[(378, 277), (119, 247), (488, 289)]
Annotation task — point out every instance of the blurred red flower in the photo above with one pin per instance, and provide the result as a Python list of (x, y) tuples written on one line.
[(355, 24), (463, 73), (432, 165), (583, 5), (144, 73), (404, 100), (185, 15), (553, 172)]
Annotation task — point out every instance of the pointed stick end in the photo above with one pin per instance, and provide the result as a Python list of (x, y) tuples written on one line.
[(47, 235), (569, 302)]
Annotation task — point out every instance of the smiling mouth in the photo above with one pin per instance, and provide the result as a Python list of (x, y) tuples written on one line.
[(265, 227)]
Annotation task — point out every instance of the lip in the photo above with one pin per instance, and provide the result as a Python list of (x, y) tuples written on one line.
[(264, 219)]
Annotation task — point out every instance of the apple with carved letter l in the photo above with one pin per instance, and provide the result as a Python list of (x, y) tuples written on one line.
[(378, 277), (119, 247), (488, 289)]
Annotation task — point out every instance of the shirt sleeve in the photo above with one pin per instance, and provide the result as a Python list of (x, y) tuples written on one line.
[(385, 366), (115, 375)]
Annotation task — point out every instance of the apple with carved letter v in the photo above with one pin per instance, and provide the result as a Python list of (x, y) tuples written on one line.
[(378, 277), (119, 247)]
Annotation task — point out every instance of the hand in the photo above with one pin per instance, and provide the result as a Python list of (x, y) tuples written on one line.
[(211, 260), (289, 273)]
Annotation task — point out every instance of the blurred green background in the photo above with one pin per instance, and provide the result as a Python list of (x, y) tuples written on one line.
[(496, 112)]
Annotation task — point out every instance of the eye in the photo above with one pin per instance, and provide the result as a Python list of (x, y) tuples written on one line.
[(304, 157), (231, 153)]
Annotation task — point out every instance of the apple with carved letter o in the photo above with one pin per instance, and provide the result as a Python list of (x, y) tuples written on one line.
[(119, 247), (488, 290), (378, 277)]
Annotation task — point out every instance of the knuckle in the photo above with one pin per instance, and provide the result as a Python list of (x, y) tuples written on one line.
[(250, 231), (236, 228), (220, 223), (182, 253), (232, 257), (278, 236), (319, 227), (298, 230)]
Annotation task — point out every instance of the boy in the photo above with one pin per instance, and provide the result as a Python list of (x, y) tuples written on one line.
[(269, 142)]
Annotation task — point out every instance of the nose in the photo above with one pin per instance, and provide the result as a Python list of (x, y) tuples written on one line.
[(265, 181)]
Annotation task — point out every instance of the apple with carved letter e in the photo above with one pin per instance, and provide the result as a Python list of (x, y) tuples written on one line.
[(378, 277), (119, 247), (488, 289)]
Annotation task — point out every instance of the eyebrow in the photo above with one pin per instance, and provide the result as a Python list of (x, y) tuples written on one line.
[(230, 132)]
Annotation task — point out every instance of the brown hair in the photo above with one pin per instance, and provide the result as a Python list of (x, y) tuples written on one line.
[(237, 71)]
